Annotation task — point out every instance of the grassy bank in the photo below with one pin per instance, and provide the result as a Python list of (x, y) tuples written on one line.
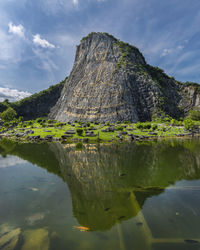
[(43, 129)]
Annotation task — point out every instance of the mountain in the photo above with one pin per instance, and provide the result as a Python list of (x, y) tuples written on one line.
[(111, 81)]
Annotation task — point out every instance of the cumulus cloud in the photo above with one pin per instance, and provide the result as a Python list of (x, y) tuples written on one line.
[(12, 94), (16, 29), (42, 42)]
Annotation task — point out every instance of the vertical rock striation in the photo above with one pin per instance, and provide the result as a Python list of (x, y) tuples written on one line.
[(110, 81)]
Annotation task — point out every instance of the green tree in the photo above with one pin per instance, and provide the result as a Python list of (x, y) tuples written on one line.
[(9, 114), (194, 115), (188, 124)]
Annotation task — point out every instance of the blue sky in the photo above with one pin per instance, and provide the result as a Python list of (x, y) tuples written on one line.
[(38, 38)]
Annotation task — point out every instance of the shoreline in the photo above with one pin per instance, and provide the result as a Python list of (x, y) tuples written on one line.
[(86, 140)]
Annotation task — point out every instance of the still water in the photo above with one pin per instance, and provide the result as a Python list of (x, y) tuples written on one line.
[(128, 196)]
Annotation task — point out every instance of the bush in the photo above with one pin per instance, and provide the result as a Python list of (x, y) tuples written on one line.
[(194, 115), (88, 124), (120, 128), (79, 131), (189, 124), (174, 122), (141, 126), (154, 127), (8, 115)]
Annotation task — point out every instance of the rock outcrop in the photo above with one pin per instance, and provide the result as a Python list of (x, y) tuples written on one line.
[(110, 81)]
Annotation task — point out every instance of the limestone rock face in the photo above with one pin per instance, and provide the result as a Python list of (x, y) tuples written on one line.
[(110, 81)]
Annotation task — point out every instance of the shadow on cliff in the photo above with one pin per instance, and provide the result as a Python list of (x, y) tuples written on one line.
[(106, 181)]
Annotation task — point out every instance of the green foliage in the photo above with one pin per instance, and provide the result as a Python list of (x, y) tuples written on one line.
[(189, 124), (107, 123), (59, 124), (79, 146), (141, 125), (126, 50), (154, 127), (88, 124), (9, 115), (119, 128), (79, 131), (194, 115)]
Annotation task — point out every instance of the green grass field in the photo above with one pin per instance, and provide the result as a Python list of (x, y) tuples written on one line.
[(57, 130)]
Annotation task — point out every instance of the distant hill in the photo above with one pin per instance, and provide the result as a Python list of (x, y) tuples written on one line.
[(36, 105)]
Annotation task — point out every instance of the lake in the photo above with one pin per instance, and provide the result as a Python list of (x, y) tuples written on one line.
[(139, 196)]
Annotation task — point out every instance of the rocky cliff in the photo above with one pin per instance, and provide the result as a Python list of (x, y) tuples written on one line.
[(110, 81)]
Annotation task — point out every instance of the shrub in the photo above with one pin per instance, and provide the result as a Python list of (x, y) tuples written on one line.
[(120, 128), (174, 122), (194, 115), (39, 120), (140, 125), (188, 124), (154, 127), (88, 124), (79, 131), (8, 115)]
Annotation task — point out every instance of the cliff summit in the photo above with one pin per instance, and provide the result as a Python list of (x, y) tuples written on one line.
[(111, 81)]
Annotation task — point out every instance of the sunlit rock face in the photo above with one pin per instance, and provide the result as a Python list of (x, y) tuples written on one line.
[(110, 81), (105, 87)]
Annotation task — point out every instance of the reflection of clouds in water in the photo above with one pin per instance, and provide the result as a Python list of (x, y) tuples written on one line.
[(10, 161)]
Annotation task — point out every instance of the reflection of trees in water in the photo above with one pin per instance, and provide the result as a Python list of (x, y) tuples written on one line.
[(104, 180)]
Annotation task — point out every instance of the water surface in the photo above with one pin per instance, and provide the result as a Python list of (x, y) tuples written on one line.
[(126, 196)]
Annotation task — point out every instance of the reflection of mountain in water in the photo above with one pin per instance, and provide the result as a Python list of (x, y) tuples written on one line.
[(106, 180)]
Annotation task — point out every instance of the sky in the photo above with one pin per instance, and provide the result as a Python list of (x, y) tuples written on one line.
[(38, 38)]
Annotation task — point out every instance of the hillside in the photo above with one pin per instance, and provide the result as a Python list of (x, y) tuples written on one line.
[(36, 105)]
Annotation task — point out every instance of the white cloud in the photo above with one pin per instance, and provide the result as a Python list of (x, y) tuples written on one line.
[(75, 2), (16, 29), (42, 42), (11, 161), (166, 52), (12, 94)]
